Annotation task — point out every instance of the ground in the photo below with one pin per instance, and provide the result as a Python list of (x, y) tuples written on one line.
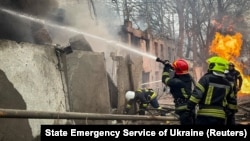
[(242, 116)]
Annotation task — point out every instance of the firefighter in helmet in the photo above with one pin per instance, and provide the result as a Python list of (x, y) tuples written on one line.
[(213, 94), (235, 78), (178, 79), (143, 97)]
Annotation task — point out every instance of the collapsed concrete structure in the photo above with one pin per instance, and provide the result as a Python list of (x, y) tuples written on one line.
[(37, 75), (38, 78), (46, 78), (43, 78)]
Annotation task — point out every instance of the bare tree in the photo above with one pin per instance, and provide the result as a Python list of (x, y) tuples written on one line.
[(194, 21)]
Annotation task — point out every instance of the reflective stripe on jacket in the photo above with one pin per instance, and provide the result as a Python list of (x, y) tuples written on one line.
[(180, 87), (213, 94)]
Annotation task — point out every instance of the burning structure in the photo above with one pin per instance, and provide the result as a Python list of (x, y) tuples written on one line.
[(229, 43), (20, 30)]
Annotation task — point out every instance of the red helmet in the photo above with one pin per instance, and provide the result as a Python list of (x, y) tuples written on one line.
[(180, 66)]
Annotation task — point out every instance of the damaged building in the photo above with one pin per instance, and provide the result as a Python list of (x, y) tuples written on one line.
[(53, 67), (50, 70)]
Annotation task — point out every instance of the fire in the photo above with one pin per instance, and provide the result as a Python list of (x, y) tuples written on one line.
[(228, 47)]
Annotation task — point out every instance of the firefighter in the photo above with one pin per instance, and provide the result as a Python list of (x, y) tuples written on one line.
[(235, 78), (213, 94), (178, 79), (144, 97)]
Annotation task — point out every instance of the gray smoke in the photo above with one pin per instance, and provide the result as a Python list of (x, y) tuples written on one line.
[(20, 30)]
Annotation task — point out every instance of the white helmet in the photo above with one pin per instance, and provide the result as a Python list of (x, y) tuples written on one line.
[(130, 95)]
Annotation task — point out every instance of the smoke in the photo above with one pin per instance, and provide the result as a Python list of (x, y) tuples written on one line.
[(92, 18), (20, 30), (98, 20), (95, 19), (230, 24)]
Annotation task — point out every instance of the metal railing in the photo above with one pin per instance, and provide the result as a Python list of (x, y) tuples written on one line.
[(16, 113)]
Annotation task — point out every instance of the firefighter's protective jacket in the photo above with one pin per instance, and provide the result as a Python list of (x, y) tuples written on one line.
[(214, 95), (180, 87), (235, 78), (143, 97)]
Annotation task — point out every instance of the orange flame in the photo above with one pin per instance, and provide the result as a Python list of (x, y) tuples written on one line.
[(228, 47)]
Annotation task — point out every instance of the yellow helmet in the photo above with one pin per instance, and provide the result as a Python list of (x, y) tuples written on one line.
[(218, 64)]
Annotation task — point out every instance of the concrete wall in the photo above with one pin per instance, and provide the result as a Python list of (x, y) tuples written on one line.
[(33, 77), (29, 80), (88, 84)]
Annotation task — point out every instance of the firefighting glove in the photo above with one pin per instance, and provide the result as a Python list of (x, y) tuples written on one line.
[(167, 67), (166, 61)]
